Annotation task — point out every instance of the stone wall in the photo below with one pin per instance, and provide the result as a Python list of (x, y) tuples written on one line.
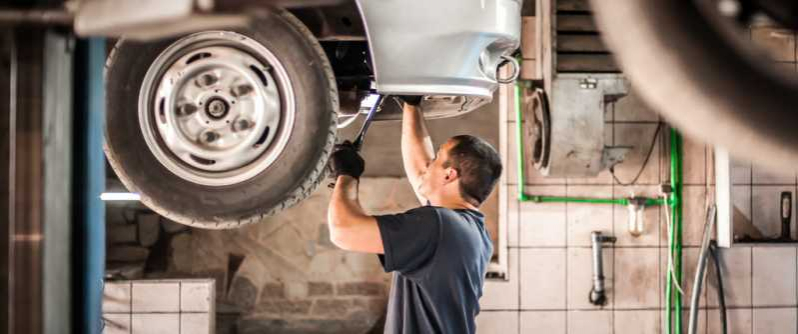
[(282, 275)]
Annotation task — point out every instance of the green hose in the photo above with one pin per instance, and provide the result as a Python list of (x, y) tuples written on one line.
[(675, 239), (519, 145)]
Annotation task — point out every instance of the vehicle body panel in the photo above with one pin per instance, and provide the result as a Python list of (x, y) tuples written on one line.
[(443, 47)]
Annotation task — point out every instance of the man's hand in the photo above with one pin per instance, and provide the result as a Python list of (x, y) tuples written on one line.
[(346, 161), (413, 100)]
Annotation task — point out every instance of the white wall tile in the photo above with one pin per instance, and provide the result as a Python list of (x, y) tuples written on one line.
[(766, 215), (740, 171), (637, 322), (736, 270), (512, 216), (542, 278), (738, 321), (774, 276), (543, 224), (651, 217), (594, 322), (580, 277), (741, 214), (196, 323), (774, 320), (116, 323), (497, 322), (116, 296), (695, 214), (694, 161), (585, 218), (767, 175), (639, 268), (156, 296), (639, 136), (155, 323), (197, 296), (502, 294), (549, 322)]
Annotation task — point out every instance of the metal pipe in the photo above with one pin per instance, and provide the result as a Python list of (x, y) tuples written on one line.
[(675, 238), (35, 17), (519, 144), (597, 294), (700, 271)]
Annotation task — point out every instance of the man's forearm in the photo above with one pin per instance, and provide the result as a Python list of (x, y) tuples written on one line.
[(344, 205), (417, 148), (350, 227)]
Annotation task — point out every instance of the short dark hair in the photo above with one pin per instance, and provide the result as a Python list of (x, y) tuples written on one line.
[(478, 165)]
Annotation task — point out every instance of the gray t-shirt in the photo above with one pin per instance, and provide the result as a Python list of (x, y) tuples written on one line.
[(439, 258)]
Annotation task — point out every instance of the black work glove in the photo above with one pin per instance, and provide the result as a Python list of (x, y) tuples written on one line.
[(346, 161), (413, 100)]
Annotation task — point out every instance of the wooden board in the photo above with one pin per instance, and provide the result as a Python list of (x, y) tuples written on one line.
[(586, 63), (573, 5), (576, 23), (580, 43)]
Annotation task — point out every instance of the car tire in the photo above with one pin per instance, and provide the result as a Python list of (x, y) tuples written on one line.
[(292, 172), (701, 80)]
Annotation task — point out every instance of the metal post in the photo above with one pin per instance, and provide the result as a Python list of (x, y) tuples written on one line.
[(90, 182)]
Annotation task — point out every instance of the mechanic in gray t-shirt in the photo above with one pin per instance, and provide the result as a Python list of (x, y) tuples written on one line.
[(438, 253)]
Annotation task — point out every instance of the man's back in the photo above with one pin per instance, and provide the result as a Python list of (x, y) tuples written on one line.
[(439, 257)]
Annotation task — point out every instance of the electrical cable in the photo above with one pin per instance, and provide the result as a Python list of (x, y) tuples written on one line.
[(670, 270), (645, 162), (713, 249)]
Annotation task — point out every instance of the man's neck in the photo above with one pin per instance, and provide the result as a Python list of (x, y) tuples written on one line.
[(455, 204)]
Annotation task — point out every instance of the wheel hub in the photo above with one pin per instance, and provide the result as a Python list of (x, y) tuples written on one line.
[(217, 108), (245, 106)]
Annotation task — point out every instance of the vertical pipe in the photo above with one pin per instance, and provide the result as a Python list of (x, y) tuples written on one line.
[(519, 140), (90, 182), (676, 183), (675, 238)]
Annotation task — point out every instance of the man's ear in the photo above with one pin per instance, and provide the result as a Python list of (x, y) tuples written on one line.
[(451, 175)]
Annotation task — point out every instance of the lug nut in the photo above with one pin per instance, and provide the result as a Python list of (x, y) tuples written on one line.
[(241, 90), (186, 109), (206, 80), (241, 125), (210, 137)]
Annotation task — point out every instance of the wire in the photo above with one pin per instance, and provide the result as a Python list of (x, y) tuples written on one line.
[(713, 249), (671, 272), (645, 162)]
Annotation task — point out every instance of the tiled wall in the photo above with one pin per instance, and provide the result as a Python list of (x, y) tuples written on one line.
[(184, 306), (549, 276)]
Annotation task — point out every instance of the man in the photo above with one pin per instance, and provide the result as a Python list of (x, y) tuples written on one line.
[(439, 253)]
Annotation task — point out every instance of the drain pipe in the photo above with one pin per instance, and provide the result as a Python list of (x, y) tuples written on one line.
[(598, 295)]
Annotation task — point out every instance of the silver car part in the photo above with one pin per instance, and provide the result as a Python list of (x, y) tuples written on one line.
[(418, 47), (153, 19), (216, 108), (565, 126), (149, 19)]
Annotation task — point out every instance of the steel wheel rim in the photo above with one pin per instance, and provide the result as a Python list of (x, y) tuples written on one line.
[(216, 108)]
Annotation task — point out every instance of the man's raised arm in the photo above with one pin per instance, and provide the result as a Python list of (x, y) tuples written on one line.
[(417, 151)]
